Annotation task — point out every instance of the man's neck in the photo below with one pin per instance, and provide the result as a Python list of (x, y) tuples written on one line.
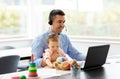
[(54, 31)]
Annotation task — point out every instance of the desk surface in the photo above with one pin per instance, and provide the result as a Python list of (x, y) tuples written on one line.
[(22, 52), (44, 73), (108, 71)]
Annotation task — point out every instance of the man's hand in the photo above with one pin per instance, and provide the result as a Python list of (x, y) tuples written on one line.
[(43, 63)]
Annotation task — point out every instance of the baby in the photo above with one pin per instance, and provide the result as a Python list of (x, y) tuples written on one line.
[(53, 51)]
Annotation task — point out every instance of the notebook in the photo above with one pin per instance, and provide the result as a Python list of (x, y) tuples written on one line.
[(96, 57)]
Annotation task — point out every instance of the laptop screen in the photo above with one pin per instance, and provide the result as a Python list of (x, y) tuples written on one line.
[(96, 56)]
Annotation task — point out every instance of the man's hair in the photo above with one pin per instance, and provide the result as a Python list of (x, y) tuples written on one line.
[(52, 37), (53, 13)]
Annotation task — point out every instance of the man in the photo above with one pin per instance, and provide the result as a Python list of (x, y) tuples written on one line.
[(56, 22)]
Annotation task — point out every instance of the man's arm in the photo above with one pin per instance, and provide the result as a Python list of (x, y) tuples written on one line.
[(37, 50), (73, 52)]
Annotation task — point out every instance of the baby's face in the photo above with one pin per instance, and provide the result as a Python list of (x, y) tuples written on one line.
[(53, 45)]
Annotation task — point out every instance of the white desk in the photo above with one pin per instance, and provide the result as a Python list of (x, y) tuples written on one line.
[(22, 52), (44, 73)]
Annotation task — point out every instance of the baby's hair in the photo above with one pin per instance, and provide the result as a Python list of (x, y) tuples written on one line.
[(52, 37)]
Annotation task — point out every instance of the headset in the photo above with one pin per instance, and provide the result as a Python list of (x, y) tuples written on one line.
[(53, 13)]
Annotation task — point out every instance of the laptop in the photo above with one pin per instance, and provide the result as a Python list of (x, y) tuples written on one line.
[(96, 57)]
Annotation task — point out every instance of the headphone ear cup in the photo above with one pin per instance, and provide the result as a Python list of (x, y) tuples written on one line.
[(50, 22)]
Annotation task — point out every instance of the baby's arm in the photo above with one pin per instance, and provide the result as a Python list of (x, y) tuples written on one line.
[(49, 63), (47, 58)]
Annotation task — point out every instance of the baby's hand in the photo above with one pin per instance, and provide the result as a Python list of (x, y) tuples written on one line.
[(51, 65)]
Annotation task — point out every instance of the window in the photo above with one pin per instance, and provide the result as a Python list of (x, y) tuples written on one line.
[(91, 18), (87, 18), (12, 17)]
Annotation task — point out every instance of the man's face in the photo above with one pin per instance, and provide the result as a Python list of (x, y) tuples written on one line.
[(58, 24)]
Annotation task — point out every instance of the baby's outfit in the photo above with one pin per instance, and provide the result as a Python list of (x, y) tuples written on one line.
[(49, 54)]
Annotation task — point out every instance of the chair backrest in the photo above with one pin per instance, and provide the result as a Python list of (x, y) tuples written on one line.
[(9, 64)]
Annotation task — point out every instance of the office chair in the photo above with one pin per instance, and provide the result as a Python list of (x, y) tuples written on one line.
[(9, 64), (22, 66)]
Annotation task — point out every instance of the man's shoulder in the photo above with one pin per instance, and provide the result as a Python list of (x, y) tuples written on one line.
[(64, 36)]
